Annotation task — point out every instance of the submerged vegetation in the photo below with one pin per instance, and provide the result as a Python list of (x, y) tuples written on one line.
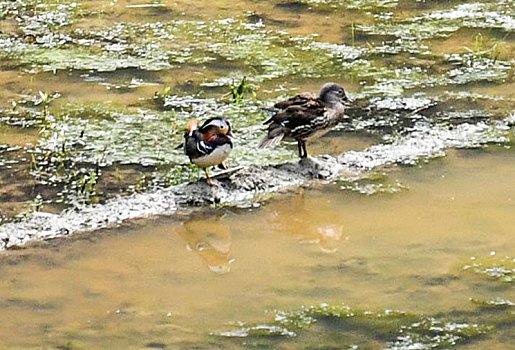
[(498, 268), (374, 183), (335, 325)]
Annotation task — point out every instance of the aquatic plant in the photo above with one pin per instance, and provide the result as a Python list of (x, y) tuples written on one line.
[(241, 88), (493, 266), (495, 303), (167, 175), (85, 184), (372, 184), (409, 331), (491, 50), (32, 206), (441, 23), (362, 5)]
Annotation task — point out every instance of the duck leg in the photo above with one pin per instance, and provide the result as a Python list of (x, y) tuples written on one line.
[(299, 146), (209, 179), (305, 155)]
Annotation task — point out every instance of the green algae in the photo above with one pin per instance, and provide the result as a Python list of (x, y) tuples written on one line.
[(98, 111), (260, 53), (498, 268), (372, 184), (471, 67), (84, 59), (497, 303), (395, 329), (362, 5), (458, 69), (264, 54), (21, 117), (166, 175), (442, 23), (410, 36), (150, 137)]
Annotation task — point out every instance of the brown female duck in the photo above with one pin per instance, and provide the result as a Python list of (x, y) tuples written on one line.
[(306, 116)]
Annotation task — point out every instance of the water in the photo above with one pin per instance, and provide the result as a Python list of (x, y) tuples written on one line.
[(174, 281), (95, 96)]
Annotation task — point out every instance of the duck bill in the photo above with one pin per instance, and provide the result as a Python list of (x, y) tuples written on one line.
[(347, 101), (226, 132)]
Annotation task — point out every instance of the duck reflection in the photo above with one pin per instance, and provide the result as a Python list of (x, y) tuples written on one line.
[(211, 240), (313, 220)]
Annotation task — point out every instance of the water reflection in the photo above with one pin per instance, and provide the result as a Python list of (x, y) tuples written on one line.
[(210, 238), (297, 218), (309, 222)]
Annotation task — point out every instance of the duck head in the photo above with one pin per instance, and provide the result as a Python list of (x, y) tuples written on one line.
[(217, 125), (332, 93)]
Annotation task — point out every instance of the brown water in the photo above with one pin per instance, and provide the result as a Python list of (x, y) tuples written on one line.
[(167, 282), (176, 282)]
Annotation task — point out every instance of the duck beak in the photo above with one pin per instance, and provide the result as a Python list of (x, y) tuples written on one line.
[(347, 101), (226, 132)]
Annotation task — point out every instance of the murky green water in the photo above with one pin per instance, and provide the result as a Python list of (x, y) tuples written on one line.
[(177, 284)]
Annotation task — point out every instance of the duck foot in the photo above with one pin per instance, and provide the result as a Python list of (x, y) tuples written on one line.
[(212, 182), (223, 166), (308, 161)]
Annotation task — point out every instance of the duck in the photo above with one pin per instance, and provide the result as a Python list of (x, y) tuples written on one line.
[(306, 116), (208, 145)]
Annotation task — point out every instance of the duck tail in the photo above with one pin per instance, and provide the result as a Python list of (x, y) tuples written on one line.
[(270, 141), (272, 112)]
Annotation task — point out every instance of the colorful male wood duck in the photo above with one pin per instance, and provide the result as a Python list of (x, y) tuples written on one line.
[(306, 116), (208, 145)]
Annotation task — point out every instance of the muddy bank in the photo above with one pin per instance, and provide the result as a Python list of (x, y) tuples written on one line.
[(250, 185)]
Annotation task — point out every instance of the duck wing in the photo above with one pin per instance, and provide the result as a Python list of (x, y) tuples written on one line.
[(298, 115), (300, 99), (295, 116), (303, 99), (195, 146)]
